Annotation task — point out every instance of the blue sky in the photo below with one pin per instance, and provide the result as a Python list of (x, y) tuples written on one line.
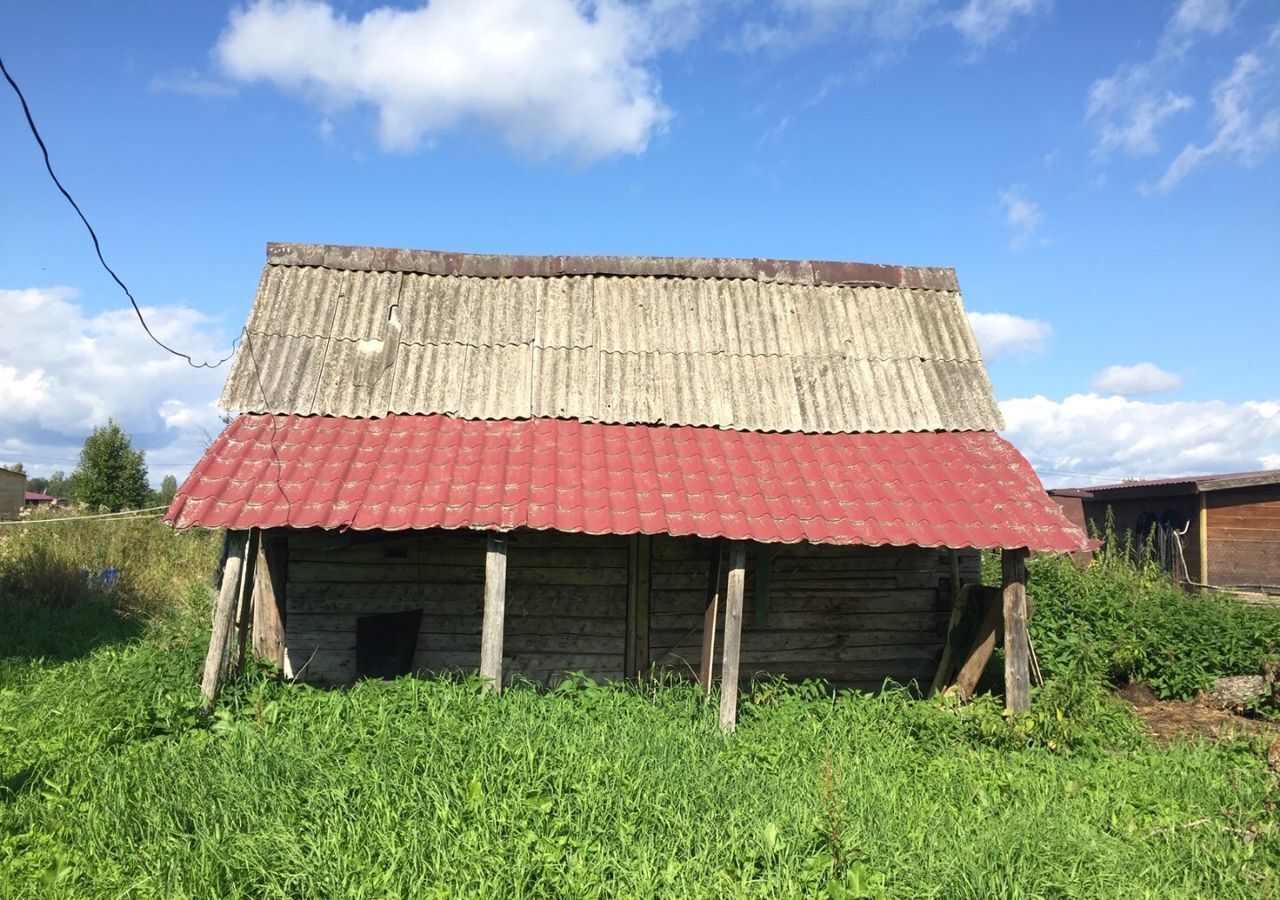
[(1104, 177)]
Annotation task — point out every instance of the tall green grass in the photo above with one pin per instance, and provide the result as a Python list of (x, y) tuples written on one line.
[(112, 784)]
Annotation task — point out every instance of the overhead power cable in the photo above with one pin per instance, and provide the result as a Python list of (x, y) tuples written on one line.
[(35, 132)]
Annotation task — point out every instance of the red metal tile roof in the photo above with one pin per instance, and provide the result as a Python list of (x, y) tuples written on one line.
[(933, 489)]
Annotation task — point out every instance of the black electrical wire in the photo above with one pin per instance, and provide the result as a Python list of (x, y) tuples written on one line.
[(35, 132)]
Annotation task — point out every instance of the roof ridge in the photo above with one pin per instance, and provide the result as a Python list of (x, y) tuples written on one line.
[(483, 265)]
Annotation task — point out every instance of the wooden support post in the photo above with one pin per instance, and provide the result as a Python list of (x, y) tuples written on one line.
[(732, 636), (271, 578), (495, 605), (1017, 678), (1204, 539), (953, 560), (636, 652), (223, 618), (959, 602), (984, 642), (707, 665), (245, 608)]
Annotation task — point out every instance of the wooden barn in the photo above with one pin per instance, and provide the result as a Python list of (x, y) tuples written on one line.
[(1207, 530), (13, 487), (535, 465)]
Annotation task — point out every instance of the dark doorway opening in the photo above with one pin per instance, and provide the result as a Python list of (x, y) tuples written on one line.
[(385, 644)]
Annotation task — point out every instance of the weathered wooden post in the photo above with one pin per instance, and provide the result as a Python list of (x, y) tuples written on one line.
[(495, 608), (223, 618), (732, 636), (269, 588), (1017, 678), (247, 603)]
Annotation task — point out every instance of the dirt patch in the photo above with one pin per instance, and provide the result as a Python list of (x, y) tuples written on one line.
[(1169, 720)]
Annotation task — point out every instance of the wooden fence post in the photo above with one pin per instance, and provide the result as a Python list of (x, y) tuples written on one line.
[(223, 618), (1017, 678), (495, 608), (732, 636)]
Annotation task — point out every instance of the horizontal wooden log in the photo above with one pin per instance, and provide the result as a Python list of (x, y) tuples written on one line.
[(431, 624), (365, 573), (785, 602), (554, 599)]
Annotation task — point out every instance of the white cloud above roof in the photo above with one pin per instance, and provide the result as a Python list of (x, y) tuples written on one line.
[(545, 76), (1002, 334), (1109, 438), (65, 371), (1136, 380)]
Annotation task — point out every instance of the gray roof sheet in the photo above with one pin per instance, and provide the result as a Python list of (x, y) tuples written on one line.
[(763, 345)]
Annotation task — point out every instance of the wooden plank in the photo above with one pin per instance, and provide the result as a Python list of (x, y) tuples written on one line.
[(732, 636), (495, 595), (984, 642), (1017, 678), (638, 641), (706, 672), (763, 563), (223, 614), (270, 598), (633, 581), (1204, 540), (244, 608), (957, 613)]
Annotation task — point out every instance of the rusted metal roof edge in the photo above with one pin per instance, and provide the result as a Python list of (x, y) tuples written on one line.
[(482, 265)]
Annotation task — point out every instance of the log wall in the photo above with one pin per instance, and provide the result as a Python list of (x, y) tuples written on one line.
[(566, 600), (851, 615)]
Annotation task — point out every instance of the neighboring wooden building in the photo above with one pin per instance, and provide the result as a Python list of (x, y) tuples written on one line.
[(13, 486), (1219, 530), (533, 465)]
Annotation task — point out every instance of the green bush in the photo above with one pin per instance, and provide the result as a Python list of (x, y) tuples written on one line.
[(1124, 615)]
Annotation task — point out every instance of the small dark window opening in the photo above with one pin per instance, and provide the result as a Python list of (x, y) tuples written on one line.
[(385, 644)]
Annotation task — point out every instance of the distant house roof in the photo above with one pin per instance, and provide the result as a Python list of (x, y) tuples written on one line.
[(751, 344), (1185, 484), (426, 471), (37, 497)]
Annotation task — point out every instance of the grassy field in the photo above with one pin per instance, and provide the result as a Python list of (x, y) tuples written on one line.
[(112, 785)]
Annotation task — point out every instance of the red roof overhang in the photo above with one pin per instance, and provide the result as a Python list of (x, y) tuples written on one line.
[(932, 489)]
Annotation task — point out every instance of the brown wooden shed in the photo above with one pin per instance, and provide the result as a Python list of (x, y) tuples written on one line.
[(1216, 530), (533, 465)]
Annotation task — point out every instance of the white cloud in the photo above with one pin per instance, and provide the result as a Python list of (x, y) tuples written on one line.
[(892, 24), (1129, 109), (982, 22), (1136, 381), (1128, 116), (1024, 217), (65, 371), (1115, 438), (544, 76), (189, 81), (1203, 16), (1243, 133), (1001, 334)]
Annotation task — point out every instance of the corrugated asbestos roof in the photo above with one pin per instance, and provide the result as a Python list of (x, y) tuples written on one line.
[(427, 471), (763, 345)]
